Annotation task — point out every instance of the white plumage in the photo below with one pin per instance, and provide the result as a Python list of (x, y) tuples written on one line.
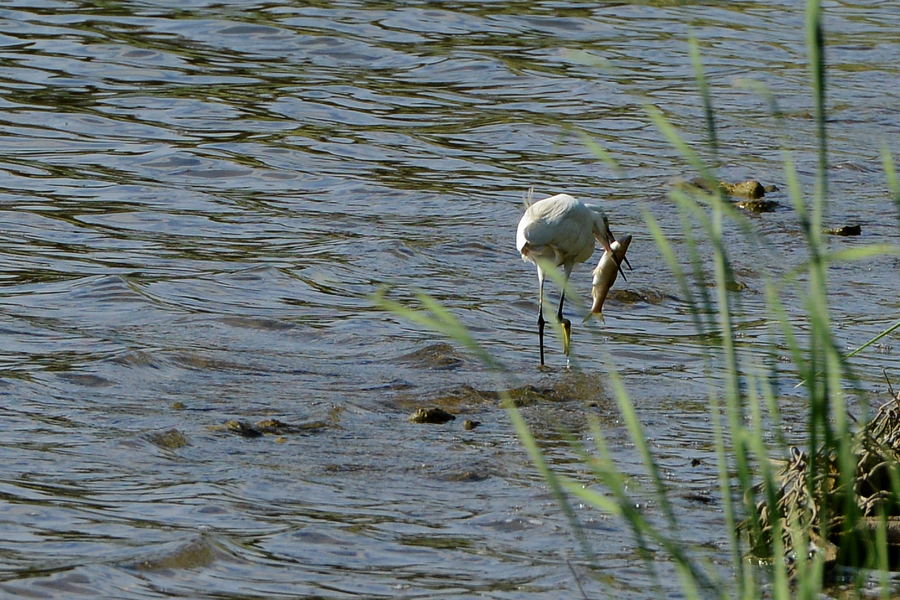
[(560, 231)]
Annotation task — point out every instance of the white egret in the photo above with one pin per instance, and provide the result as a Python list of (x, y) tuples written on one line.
[(560, 231)]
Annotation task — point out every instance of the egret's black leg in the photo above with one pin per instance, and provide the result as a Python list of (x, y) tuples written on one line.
[(562, 299), (541, 334), (541, 312)]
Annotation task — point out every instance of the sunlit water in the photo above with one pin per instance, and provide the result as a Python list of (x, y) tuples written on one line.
[(199, 200)]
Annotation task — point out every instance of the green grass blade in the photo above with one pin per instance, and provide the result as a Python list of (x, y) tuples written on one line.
[(815, 47), (875, 339), (553, 481), (891, 174), (600, 152), (636, 432), (671, 133), (700, 76)]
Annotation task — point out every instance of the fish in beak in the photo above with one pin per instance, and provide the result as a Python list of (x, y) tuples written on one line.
[(606, 272)]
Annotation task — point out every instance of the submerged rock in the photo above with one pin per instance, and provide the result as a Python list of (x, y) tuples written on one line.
[(195, 554), (268, 427), (168, 440), (441, 357), (276, 427), (751, 189), (433, 415), (242, 428), (746, 189), (846, 230), (758, 205)]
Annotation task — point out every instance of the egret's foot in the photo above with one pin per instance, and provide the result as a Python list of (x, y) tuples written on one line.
[(567, 337)]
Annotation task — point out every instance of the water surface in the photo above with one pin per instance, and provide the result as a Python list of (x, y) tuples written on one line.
[(198, 201)]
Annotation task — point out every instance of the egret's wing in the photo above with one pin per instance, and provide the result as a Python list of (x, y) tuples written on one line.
[(558, 226)]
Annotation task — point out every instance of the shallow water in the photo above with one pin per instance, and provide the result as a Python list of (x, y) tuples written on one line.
[(198, 201)]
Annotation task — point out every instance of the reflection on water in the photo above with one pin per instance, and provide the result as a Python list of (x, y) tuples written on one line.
[(198, 201)]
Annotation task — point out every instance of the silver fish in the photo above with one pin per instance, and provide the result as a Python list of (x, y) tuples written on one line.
[(605, 274)]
